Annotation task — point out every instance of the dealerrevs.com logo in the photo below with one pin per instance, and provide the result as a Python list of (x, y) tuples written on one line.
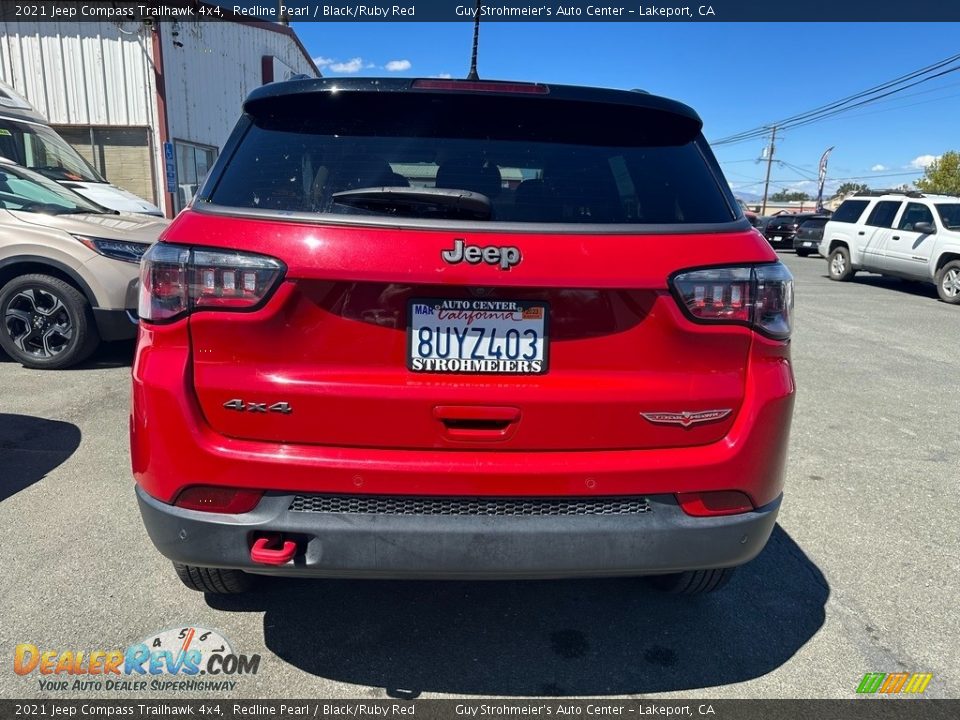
[(179, 659)]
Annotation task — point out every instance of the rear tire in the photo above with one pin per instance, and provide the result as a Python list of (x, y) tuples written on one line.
[(46, 323), (693, 582), (838, 263), (948, 282), (218, 581)]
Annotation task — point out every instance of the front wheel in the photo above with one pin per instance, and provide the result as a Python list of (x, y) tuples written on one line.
[(46, 323), (839, 264), (948, 282), (693, 582)]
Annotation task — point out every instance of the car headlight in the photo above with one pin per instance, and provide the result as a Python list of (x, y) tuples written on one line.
[(115, 249)]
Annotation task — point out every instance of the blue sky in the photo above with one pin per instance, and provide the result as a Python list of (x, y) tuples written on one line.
[(737, 76)]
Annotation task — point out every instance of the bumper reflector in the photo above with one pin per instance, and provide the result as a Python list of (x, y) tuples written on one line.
[(218, 499), (709, 504)]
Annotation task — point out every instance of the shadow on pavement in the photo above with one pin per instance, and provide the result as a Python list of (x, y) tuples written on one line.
[(887, 282), (109, 355), (31, 447), (555, 638)]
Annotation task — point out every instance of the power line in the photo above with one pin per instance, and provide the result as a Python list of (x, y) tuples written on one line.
[(875, 99), (836, 107)]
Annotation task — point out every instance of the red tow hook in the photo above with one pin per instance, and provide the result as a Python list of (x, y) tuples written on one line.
[(262, 554)]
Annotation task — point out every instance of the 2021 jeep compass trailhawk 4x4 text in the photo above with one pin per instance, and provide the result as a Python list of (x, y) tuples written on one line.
[(440, 328)]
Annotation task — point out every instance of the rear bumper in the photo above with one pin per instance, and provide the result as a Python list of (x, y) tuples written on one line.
[(786, 238), (334, 544), (115, 324), (806, 243)]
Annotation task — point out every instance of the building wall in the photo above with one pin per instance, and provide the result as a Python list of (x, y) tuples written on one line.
[(80, 73), (121, 154), (219, 64), (101, 74)]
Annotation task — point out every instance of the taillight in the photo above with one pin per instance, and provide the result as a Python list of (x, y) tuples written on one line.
[(481, 86), (759, 296), (709, 504), (209, 498), (174, 280)]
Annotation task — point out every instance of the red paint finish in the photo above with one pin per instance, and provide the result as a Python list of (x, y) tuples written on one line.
[(331, 342)]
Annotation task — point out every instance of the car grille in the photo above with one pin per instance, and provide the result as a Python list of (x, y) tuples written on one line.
[(402, 505)]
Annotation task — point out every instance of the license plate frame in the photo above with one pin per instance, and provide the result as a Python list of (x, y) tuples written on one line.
[(479, 305)]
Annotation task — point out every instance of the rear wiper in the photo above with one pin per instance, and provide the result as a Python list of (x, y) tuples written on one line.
[(419, 201)]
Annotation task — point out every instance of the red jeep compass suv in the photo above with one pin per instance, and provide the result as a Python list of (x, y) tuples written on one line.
[(461, 329)]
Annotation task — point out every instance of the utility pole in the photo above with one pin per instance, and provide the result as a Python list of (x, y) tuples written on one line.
[(766, 184)]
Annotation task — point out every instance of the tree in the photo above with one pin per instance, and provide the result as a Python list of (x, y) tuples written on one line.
[(942, 176), (787, 196), (849, 188)]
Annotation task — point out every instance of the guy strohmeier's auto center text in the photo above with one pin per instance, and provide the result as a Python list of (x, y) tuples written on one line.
[(309, 11)]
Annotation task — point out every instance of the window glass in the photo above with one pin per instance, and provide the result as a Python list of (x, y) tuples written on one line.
[(193, 164), (915, 213), (883, 214), (850, 211), (31, 192), (644, 170), (949, 214), (39, 148)]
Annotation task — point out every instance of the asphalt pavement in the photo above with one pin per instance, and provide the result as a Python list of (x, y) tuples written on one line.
[(862, 573)]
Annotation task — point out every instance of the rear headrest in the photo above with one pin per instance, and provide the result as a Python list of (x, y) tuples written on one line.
[(470, 174)]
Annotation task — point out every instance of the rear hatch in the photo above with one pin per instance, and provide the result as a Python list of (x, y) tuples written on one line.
[(812, 229), (783, 226), (462, 273)]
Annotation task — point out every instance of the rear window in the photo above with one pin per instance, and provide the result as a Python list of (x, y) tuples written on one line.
[(814, 223), (605, 164), (850, 211)]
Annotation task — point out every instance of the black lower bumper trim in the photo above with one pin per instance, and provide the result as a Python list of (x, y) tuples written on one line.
[(663, 540), (115, 324)]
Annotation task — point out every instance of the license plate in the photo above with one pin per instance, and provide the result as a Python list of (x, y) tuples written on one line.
[(777, 238), (808, 244), (477, 336)]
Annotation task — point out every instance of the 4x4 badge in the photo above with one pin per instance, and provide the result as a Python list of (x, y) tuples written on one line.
[(506, 257), (686, 418), (258, 407)]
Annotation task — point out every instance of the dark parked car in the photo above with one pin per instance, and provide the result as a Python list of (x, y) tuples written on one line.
[(762, 222), (809, 235), (748, 213), (782, 229)]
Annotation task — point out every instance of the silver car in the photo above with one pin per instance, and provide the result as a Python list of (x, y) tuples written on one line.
[(68, 270)]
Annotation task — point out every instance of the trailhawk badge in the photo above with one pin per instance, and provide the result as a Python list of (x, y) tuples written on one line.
[(505, 257), (685, 418)]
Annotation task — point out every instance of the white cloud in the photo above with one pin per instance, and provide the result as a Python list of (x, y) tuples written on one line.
[(878, 168), (353, 65), (442, 76), (398, 65), (922, 161)]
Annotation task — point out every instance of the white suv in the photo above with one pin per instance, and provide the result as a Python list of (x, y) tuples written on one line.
[(906, 234)]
